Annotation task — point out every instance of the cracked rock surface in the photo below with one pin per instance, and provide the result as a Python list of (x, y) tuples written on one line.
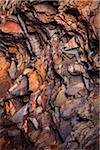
[(49, 75)]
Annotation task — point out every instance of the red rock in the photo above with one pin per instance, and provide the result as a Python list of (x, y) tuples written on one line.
[(10, 26)]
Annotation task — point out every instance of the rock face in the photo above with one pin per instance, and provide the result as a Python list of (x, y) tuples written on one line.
[(49, 75), (5, 81)]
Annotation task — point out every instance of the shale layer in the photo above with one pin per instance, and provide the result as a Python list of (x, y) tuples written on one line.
[(49, 74)]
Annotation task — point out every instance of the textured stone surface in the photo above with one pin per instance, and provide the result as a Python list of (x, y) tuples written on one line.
[(49, 75)]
